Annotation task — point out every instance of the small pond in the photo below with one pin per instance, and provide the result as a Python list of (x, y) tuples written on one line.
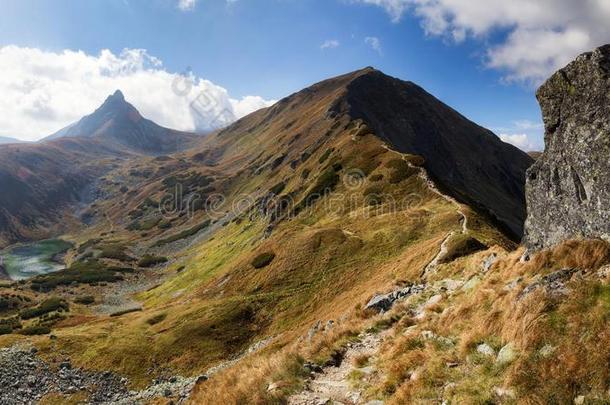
[(23, 261)]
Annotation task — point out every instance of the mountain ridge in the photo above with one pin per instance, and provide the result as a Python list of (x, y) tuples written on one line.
[(6, 140), (469, 161), (460, 155)]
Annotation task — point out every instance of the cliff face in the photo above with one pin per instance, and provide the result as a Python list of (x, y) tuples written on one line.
[(568, 188)]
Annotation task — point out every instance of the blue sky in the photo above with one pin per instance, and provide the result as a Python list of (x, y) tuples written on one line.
[(271, 48)]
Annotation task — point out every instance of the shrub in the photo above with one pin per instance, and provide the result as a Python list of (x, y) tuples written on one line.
[(88, 244), (189, 181), (305, 174), (326, 182), (13, 322), (376, 177), (150, 260), (144, 225), (460, 246), (164, 224), (325, 155), (401, 170), (277, 161), (85, 300), (416, 160), (125, 311), (36, 330), (89, 272), (263, 260), (6, 329), (51, 319), (115, 252), (156, 319), (373, 195), (121, 269), (278, 188), (184, 234), (48, 305)]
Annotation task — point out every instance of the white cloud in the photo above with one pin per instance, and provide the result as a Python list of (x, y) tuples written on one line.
[(186, 5), (330, 44), (395, 8), (521, 141), (528, 125), (543, 35), (45, 91), (248, 104), (374, 43)]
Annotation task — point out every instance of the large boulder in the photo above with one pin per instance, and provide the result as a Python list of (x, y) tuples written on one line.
[(568, 188)]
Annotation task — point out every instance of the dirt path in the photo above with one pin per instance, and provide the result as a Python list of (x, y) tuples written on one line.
[(336, 384), (444, 244)]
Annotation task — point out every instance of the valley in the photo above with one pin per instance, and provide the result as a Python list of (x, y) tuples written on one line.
[(358, 242)]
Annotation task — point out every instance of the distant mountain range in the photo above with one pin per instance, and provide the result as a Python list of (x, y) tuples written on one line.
[(6, 139), (467, 161), (41, 181)]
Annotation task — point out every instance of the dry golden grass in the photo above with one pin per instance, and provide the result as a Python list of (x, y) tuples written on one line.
[(59, 399), (248, 382), (581, 254), (573, 325)]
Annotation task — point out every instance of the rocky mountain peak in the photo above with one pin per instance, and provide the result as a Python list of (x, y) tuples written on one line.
[(118, 95), (568, 189), (115, 104), (118, 124)]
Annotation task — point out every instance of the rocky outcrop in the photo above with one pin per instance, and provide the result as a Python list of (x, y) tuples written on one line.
[(25, 379), (568, 188), (383, 302)]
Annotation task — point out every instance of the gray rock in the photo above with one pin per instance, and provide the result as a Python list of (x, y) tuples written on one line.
[(513, 284), (486, 349), (507, 354), (489, 261), (553, 283), (25, 378), (547, 351), (568, 188), (507, 393), (384, 302)]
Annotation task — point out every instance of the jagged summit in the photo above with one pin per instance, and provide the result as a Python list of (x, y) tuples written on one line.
[(116, 100), (118, 123), (118, 95)]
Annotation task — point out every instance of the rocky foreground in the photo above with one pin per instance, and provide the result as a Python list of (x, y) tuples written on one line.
[(25, 379), (568, 187)]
